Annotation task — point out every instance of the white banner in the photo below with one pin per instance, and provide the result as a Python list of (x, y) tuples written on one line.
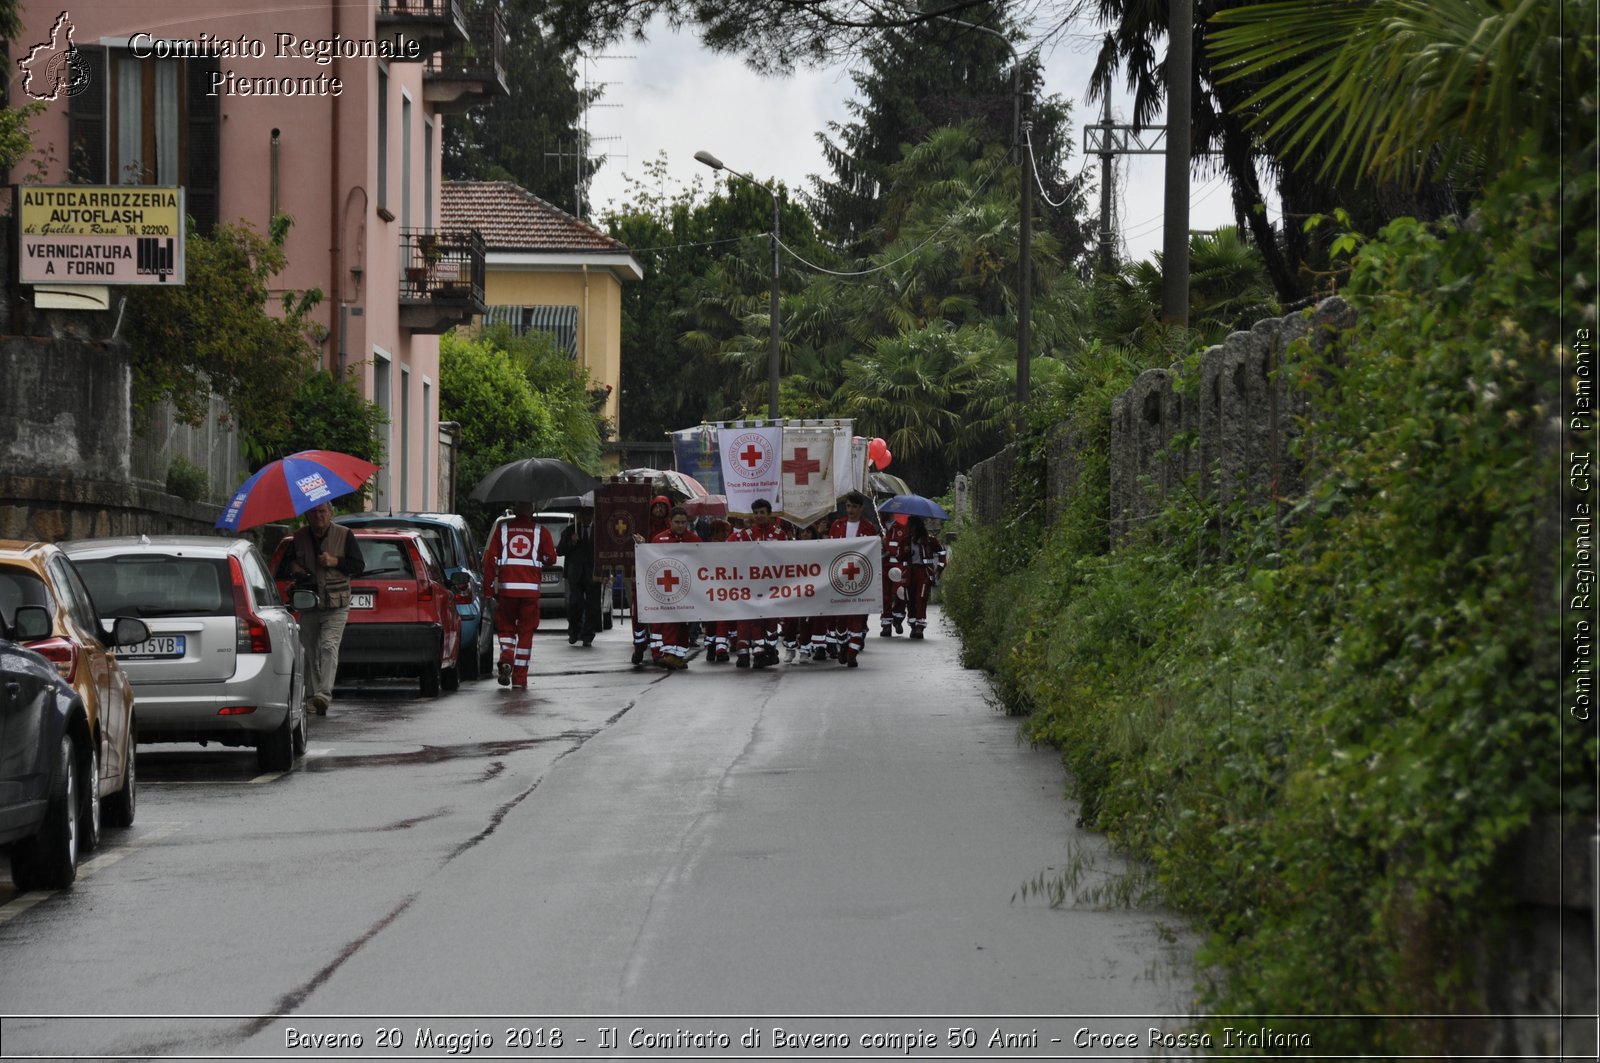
[(752, 465), (808, 491), (753, 581)]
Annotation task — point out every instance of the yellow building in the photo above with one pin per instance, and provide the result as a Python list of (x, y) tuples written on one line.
[(549, 271)]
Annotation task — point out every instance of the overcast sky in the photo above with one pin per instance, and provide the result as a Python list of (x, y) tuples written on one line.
[(675, 97)]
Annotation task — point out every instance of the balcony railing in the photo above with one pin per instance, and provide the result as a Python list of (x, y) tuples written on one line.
[(437, 24), (472, 70), (442, 277)]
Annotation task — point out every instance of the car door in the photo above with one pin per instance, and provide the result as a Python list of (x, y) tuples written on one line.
[(24, 688), (112, 689)]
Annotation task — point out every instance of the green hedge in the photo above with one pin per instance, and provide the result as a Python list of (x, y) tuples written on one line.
[(1320, 755)]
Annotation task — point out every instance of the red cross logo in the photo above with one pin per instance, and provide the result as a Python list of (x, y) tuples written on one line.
[(520, 546), (668, 580), (751, 456), (851, 571), (802, 465)]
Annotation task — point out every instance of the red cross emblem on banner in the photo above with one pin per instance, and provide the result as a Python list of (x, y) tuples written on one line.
[(668, 580), (851, 571), (751, 456), (802, 465)]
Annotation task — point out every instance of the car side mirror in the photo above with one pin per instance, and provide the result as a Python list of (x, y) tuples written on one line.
[(128, 631), (31, 622), (301, 600)]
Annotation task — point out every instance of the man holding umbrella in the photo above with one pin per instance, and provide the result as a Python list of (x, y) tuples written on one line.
[(323, 557), (519, 547)]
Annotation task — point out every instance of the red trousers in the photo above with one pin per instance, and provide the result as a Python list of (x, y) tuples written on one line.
[(515, 621)]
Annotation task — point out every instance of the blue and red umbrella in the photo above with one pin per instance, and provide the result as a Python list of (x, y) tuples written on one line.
[(291, 485)]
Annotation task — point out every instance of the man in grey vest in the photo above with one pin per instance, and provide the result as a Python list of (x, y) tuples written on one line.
[(323, 557)]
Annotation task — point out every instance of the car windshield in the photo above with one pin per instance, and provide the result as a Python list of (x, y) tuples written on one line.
[(386, 557), (157, 585), (20, 586), (432, 534)]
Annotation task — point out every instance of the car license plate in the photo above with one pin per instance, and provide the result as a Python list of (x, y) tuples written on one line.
[(362, 600), (156, 646), (549, 577)]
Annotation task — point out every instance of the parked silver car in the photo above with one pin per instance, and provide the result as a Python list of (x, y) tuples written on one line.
[(223, 662)]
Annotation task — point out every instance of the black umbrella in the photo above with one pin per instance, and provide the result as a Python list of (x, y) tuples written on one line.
[(533, 480)]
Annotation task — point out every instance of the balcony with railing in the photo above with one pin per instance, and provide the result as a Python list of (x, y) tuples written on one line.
[(472, 71), (436, 24), (441, 283)]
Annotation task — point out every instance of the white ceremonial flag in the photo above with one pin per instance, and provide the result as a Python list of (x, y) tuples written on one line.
[(754, 581), (846, 474), (808, 491), (752, 465)]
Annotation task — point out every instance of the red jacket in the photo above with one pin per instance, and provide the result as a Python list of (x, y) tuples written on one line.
[(667, 537), (754, 533), (897, 543), (837, 529), (517, 551)]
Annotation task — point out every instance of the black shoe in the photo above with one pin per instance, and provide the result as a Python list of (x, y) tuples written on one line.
[(898, 625), (886, 632), (589, 641), (503, 674), (638, 656), (571, 639), (743, 661), (916, 633)]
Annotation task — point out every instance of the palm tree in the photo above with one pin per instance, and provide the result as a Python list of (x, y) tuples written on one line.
[(1394, 88)]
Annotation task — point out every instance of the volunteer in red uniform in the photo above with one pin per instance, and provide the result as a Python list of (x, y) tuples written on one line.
[(719, 633), (674, 638), (660, 506), (757, 640), (896, 552), (927, 556), (852, 525), (519, 549)]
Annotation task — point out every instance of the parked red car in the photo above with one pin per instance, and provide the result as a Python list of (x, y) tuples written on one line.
[(403, 618)]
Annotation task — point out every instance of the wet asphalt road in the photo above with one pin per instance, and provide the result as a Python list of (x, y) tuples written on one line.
[(805, 840)]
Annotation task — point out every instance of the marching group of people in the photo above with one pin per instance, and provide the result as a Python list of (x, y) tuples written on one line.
[(519, 547), (913, 559)]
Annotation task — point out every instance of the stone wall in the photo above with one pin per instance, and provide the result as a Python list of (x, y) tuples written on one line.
[(1227, 433)]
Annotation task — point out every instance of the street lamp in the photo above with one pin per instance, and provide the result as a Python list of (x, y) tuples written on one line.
[(772, 355)]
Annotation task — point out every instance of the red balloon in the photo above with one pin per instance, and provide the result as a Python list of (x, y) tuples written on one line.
[(878, 453)]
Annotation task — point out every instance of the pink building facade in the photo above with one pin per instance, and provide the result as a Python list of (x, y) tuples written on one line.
[(332, 113)]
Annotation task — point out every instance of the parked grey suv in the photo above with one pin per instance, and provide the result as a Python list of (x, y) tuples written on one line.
[(223, 662)]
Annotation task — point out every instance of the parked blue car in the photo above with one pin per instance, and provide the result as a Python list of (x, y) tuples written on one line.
[(458, 550), (44, 768)]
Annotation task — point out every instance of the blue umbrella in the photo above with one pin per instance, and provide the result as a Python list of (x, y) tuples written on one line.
[(915, 506)]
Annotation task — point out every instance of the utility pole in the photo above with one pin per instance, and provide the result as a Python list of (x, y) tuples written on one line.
[(1108, 140), (1175, 236)]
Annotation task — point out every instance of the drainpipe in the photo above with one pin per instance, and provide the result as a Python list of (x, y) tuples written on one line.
[(586, 329), (335, 200)]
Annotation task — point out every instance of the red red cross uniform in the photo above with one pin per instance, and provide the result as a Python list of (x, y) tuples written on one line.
[(758, 637), (927, 557), (851, 631), (896, 553), (643, 635), (673, 638), (518, 552)]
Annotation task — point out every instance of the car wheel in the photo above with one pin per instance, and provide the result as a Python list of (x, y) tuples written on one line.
[(450, 678), (49, 860), (120, 806), (430, 680), (275, 749), (470, 662), (89, 805)]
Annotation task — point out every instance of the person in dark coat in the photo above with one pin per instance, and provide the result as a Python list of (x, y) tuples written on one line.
[(583, 590)]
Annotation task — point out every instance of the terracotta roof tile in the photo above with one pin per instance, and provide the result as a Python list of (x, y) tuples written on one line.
[(513, 219)]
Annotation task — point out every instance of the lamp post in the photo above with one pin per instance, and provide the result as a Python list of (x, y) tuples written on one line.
[(772, 354)]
